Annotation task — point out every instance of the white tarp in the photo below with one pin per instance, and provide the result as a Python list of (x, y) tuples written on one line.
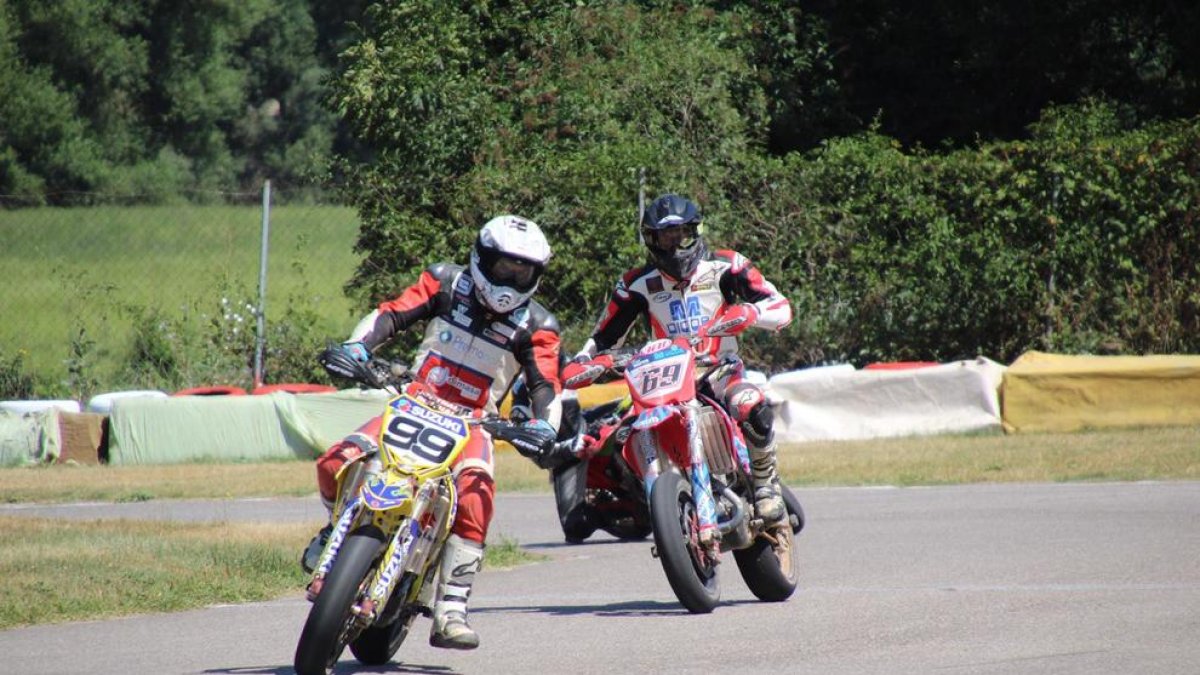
[(30, 437), (841, 403)]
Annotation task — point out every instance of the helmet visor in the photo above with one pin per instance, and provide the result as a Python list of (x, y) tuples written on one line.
[(671, 238), (515, 272)]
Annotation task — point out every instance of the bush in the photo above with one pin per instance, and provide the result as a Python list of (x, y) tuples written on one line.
[(1079, 240)]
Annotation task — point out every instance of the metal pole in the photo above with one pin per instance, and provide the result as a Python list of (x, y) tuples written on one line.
[(260, 340), (641, 201)]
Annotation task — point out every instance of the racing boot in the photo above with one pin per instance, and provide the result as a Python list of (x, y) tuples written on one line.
[(768, 501), (461, 559), (312, 554)]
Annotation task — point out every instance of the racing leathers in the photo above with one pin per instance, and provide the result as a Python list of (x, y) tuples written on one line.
[(725, 288), (469, 355)]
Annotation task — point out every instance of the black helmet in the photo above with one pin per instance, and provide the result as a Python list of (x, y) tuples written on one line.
[(671, 232)]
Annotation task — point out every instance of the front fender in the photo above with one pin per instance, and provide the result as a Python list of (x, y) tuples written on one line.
[(648, 419), (379, 493)]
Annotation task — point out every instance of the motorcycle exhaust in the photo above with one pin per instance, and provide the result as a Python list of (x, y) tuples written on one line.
[(735, 532)]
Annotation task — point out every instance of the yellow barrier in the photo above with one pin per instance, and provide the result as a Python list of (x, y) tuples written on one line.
[(1055, 392)]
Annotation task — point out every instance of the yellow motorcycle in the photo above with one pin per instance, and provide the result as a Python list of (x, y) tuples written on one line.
[(391, 520)]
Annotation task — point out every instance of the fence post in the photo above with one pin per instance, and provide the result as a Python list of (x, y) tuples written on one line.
[(260, 339)]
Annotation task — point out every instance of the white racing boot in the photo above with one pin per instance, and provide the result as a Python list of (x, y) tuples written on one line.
[(312, 552), (461, 559), (768, 501)]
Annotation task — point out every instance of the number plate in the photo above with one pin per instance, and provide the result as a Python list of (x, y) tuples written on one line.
[(416, 434), (659, 373)]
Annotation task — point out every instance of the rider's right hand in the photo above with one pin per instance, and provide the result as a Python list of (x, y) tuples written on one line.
[(357, 351)]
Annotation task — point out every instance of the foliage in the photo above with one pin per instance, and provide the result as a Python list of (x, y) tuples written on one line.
[(16, 382), (148, 99), (1078, 240), (217, 345), (898, 169), (553, 129), (961, 70)]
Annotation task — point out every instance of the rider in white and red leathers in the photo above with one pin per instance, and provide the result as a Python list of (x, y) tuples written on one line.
[(684, 288), (483, 330)]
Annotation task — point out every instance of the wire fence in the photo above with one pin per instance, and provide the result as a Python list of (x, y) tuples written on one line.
[(111, 297)]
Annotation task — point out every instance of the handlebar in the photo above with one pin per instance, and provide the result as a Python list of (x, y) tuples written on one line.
[(377, 373)]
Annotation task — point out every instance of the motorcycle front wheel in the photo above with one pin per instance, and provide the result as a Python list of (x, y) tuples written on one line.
[(676, 537), (330, 625)]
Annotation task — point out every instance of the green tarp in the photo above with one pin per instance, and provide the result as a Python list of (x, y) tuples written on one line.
[(280, 425)]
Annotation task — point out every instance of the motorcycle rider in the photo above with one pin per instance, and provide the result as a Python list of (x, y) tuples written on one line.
[(483, 330), (685, 287)]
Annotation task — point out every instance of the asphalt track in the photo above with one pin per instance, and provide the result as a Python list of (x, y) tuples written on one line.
[(1065, 578)]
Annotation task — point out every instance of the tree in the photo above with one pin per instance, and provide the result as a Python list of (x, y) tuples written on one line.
[(547, 111)]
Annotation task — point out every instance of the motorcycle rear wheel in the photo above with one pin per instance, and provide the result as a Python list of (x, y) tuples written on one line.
[(794, 510), (771, 572), (328, 628), (673, 514), (629, 531)]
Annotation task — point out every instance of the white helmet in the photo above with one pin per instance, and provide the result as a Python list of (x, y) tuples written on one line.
[(508, 260)]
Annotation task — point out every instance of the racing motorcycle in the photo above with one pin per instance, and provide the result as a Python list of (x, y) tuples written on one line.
[(694, 466), (391, 519)]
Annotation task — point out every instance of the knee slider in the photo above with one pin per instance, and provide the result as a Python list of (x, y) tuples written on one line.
[(760, 424)]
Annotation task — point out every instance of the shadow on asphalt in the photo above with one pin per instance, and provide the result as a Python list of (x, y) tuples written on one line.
[(633, 608), (345, 667), (556, 545)]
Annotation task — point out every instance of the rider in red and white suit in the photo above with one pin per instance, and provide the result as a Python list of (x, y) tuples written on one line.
[(684, 288), (483, 329)]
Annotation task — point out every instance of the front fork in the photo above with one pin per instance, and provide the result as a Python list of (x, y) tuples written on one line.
[(697, 473)]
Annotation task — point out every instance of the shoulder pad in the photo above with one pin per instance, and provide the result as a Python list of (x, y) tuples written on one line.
[(541, 318), (444, 271), (735, 260)]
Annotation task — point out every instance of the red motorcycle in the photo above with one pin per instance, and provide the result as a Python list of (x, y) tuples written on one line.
[(594, 489), (694, 467)]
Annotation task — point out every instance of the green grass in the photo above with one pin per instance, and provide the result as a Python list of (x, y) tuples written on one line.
[(70, 268), (1160, 453), (121, 567), (506, 553), (55, 570)]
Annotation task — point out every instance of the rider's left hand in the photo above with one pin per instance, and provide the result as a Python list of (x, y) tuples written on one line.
[(733, 320), (577, 375), (538, 439)]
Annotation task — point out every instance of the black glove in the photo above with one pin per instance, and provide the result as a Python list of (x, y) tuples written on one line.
[(558, 454), (533, 439)]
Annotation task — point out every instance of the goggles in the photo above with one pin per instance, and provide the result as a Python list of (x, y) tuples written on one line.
[(506, 271), (671, 238)]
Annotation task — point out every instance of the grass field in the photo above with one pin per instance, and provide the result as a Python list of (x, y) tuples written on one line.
[(66, 269), (1162, 453)]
